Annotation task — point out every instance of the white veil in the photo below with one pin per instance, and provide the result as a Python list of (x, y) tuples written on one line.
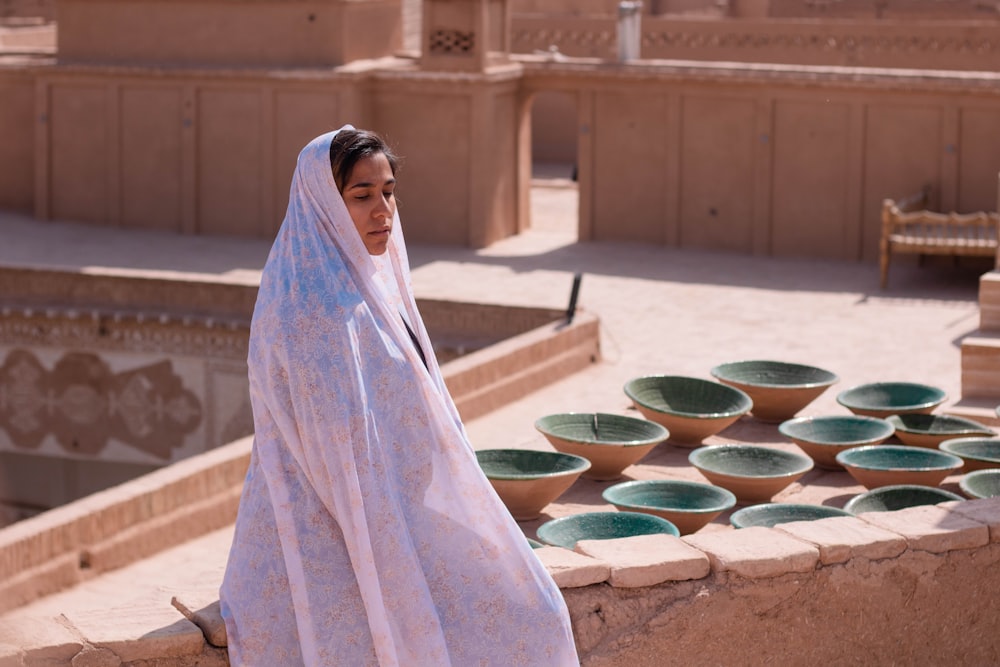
[(367, 533)]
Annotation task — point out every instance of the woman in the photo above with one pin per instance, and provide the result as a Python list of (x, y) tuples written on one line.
[(367, 534)]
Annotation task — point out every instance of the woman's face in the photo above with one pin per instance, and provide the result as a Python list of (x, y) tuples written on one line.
[(369, 196)]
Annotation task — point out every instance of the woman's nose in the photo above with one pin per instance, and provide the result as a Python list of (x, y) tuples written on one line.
[(383, 209)]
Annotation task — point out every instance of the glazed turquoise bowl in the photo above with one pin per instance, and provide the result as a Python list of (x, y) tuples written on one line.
[(823, 437), (690, 408), (977, 453), (882, 399), (927, 430), (687, 505), (897, 497), (610, 442), (771, 514), (568, 530), (753, 473), (873, 466), (535, 544), (981, 483), (527, 480), (778, 389)]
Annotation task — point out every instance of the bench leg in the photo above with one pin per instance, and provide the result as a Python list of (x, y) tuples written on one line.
[(883, 263)]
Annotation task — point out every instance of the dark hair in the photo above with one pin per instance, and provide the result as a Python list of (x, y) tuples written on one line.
[(350, 146)]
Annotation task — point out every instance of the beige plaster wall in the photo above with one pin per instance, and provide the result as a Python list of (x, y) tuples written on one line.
[(951, 43), (309, 33), (773, 165)]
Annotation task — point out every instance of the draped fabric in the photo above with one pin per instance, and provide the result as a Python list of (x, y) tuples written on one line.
[(367, 533)]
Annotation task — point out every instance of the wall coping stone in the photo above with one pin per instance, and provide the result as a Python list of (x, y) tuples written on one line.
[(841, 538), (755, 552), (43, 638), (932, 528), (984, 510), (138, 633), (572, 570), (647, 560)]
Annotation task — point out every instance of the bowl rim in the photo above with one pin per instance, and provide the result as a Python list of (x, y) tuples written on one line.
[(721, 414), (718, 371), (948, 461), (843, 397), (859, 419), (947, 445), (650, 519), (807, 462), (974, 427), (727, 499), (582, 464), (985, 472), (662, 432), (763, 507), (945, 494)]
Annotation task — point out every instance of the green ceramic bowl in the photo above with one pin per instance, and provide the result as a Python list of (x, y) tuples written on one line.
[(753, 473), (897, 497), (927, 430), (771, 514), (690, 408), (527, 480), (778, 389), (687, 505), (823, 437), (610, 442), (977, 453), (981, 483), (568, 530), (886, 465), (881, 399), (535, 544)]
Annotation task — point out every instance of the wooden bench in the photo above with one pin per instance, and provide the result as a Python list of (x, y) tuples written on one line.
[(908, 227)]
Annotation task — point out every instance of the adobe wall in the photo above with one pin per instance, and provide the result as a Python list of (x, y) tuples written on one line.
[(952, 44), (119, 373)]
